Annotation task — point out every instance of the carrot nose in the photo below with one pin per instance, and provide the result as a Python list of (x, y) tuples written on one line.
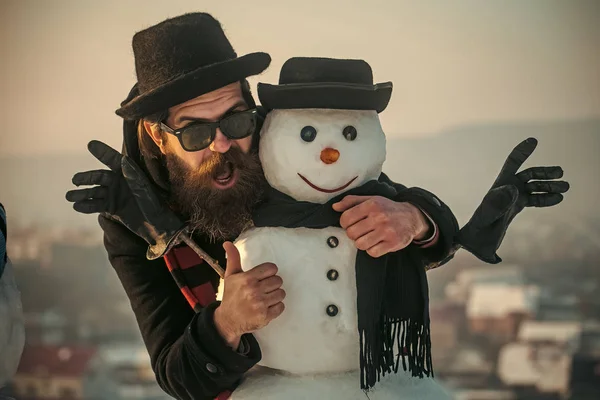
[(329, 155)]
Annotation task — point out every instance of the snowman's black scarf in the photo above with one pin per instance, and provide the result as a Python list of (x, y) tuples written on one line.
[(392, 290)]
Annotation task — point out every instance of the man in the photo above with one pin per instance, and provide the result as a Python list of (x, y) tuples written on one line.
[(191, 126), (12, 327)]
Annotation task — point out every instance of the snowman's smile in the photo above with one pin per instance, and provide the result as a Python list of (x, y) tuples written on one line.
[(312, 185)]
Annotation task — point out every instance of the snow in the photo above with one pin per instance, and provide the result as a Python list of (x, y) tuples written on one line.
[(304, 339), (268, 385)]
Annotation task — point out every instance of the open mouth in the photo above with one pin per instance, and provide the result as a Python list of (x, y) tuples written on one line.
[(312, 185), (226, 176)]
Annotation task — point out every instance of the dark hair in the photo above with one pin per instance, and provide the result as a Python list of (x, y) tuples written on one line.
[(247, 94), (150, 150)]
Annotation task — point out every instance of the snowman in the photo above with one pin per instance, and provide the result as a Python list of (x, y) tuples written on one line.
[(323, 140)]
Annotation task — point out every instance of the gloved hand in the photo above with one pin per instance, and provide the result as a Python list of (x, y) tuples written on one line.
[(125, 194), (508, 196)]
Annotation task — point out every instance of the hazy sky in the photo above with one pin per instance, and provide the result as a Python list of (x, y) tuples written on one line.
[(66, 65)]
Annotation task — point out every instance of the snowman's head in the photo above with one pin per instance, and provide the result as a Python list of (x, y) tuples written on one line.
[(316, 154)]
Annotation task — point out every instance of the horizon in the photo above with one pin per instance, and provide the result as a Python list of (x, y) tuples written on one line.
[(43, 180), (457, 129)]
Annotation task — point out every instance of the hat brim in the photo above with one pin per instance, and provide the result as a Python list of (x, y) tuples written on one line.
[(341, 96), (193, 84)]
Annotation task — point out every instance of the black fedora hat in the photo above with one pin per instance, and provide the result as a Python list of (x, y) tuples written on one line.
[(311, 82), (182, 58)]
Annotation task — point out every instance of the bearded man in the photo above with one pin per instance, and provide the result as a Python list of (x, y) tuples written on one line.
[(191, 127)]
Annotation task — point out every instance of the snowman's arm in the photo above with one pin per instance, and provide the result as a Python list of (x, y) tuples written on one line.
[(440, 213)]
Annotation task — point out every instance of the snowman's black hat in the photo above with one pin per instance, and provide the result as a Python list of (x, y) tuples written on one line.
[(308, 82)]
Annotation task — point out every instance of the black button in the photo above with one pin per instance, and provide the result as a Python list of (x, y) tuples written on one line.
[(332, 241), (436, 201), (332, 310), (211, 368), (332, 274)]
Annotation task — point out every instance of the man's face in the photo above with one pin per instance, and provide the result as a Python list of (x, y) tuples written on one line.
[(217, 187), (209, 107)]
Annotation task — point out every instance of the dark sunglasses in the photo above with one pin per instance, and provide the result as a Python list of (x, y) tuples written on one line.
[(199, 135)]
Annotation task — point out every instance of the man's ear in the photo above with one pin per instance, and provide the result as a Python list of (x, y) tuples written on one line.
[(155, 133)]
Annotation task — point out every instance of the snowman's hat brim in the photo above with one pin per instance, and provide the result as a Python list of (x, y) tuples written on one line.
[(341, 96)]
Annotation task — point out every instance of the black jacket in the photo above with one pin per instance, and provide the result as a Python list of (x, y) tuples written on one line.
[(189, 358)]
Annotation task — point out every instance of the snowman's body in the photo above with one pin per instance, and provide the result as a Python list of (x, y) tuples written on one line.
[(312, 349), (316, 277)]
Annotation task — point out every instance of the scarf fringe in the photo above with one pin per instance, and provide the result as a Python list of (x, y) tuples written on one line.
[(406, 340)]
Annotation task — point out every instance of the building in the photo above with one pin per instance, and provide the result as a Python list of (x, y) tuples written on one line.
[(459, 290), (555, 307), (467, 366), (122, 371), (565, 334), (496, 310), (52, 372), (49, 327), (447, 326), (540, 361), (584, 379), (535, 368)]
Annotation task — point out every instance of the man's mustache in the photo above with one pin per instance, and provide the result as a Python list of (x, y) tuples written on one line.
[(217, 161)]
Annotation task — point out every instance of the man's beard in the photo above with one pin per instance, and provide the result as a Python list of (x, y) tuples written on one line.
[(221, 214)]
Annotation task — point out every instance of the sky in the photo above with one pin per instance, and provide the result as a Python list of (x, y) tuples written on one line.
[(67, 64)]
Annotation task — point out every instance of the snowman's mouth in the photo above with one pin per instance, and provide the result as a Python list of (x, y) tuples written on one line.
[(312, 185)]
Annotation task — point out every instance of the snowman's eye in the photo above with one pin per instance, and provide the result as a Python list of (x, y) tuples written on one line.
[(349, 132), (308, 133)]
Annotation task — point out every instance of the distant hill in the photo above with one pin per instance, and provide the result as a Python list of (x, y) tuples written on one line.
[(458, 164), (461, 164)]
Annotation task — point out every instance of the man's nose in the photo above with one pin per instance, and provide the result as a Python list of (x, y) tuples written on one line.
[(221, 144)]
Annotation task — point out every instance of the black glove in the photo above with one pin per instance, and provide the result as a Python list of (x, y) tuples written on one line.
[(508, 196), (126, 195)]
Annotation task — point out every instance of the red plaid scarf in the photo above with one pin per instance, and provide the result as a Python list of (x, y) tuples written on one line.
[(186, 267)]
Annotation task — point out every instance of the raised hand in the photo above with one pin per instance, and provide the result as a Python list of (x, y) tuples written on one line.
[(511, 192), (542, 191), (251, 299), (111, 194), (128, 198)]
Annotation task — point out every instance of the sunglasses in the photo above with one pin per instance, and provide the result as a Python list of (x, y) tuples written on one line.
[(199, 135)]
